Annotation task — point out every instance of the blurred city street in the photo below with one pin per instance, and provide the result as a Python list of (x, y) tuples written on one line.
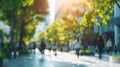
[(79, 33)]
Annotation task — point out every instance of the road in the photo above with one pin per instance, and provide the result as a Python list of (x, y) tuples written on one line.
[(62, 59)]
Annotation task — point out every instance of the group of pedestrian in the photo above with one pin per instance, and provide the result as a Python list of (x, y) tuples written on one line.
[(102, 46), (108, 47), (50, 46)]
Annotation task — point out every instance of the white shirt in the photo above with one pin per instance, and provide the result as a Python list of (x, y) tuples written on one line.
[(77, 44), (50, 45), (109, 43)]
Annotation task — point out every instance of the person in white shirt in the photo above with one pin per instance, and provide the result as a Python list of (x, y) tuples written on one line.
[(78, 46), (109, 46)]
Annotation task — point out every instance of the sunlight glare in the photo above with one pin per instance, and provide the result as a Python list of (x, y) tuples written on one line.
[(52, 10)]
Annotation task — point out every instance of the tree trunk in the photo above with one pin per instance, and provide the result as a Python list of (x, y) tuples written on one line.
[(85, 38), (12, 30), (21, 38), (12, 26), (22, 26), (21, 35)]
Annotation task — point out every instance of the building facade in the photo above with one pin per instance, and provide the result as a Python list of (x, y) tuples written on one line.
[(117, 23)]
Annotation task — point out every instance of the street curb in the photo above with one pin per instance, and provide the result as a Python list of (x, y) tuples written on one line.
[(114, 60)]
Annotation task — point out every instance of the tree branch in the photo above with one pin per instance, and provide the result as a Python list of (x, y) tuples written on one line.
[(117, 3)]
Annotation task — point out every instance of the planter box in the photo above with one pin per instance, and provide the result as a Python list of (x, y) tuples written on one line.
[(1, 63), (113, 59), (87, 54)]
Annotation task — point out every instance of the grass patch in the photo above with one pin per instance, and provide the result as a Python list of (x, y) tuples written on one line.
[(116, 56), (86, 51)]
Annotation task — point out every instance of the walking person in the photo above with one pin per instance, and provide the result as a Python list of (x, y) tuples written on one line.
[(55, 48), (50, 47), (100, 45), (42, 46), (109, 46), (116, 47), (34, 46), (77, 46)]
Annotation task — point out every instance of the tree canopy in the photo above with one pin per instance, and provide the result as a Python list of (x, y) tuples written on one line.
[(22, 16), (80, 16)]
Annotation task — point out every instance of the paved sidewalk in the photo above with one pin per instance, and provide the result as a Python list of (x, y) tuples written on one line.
[(89, 61), (63, 59)]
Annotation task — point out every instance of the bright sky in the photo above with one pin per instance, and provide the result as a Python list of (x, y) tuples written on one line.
[(52, 10), (51, 17), (4, 27)]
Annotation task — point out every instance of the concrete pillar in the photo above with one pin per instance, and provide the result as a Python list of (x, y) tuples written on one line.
[(100, 30), (116, 35), (96, 29), (116, 28)]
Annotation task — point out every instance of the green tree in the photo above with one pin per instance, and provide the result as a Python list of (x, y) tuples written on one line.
[(22, 14)]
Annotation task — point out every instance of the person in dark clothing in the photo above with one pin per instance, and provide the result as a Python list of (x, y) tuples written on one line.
[(55, 48), (100, 44), (34, 46), (116, 47), (42, 46)]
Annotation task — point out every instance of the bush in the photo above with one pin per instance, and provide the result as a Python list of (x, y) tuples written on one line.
[(25, 51), (86, 52), (2, 56), (7, 48)]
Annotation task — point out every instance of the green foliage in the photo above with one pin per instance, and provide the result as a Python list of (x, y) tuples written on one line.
[(1, 33), (86, 52), (27, 3), (7, 48), (4, 50), (67, 26), (22, 17), (116, 56), (2, 56), (25, 51), (62, 30)]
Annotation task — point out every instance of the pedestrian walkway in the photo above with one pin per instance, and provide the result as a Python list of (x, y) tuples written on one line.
[(63, 59), (86, 60)]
